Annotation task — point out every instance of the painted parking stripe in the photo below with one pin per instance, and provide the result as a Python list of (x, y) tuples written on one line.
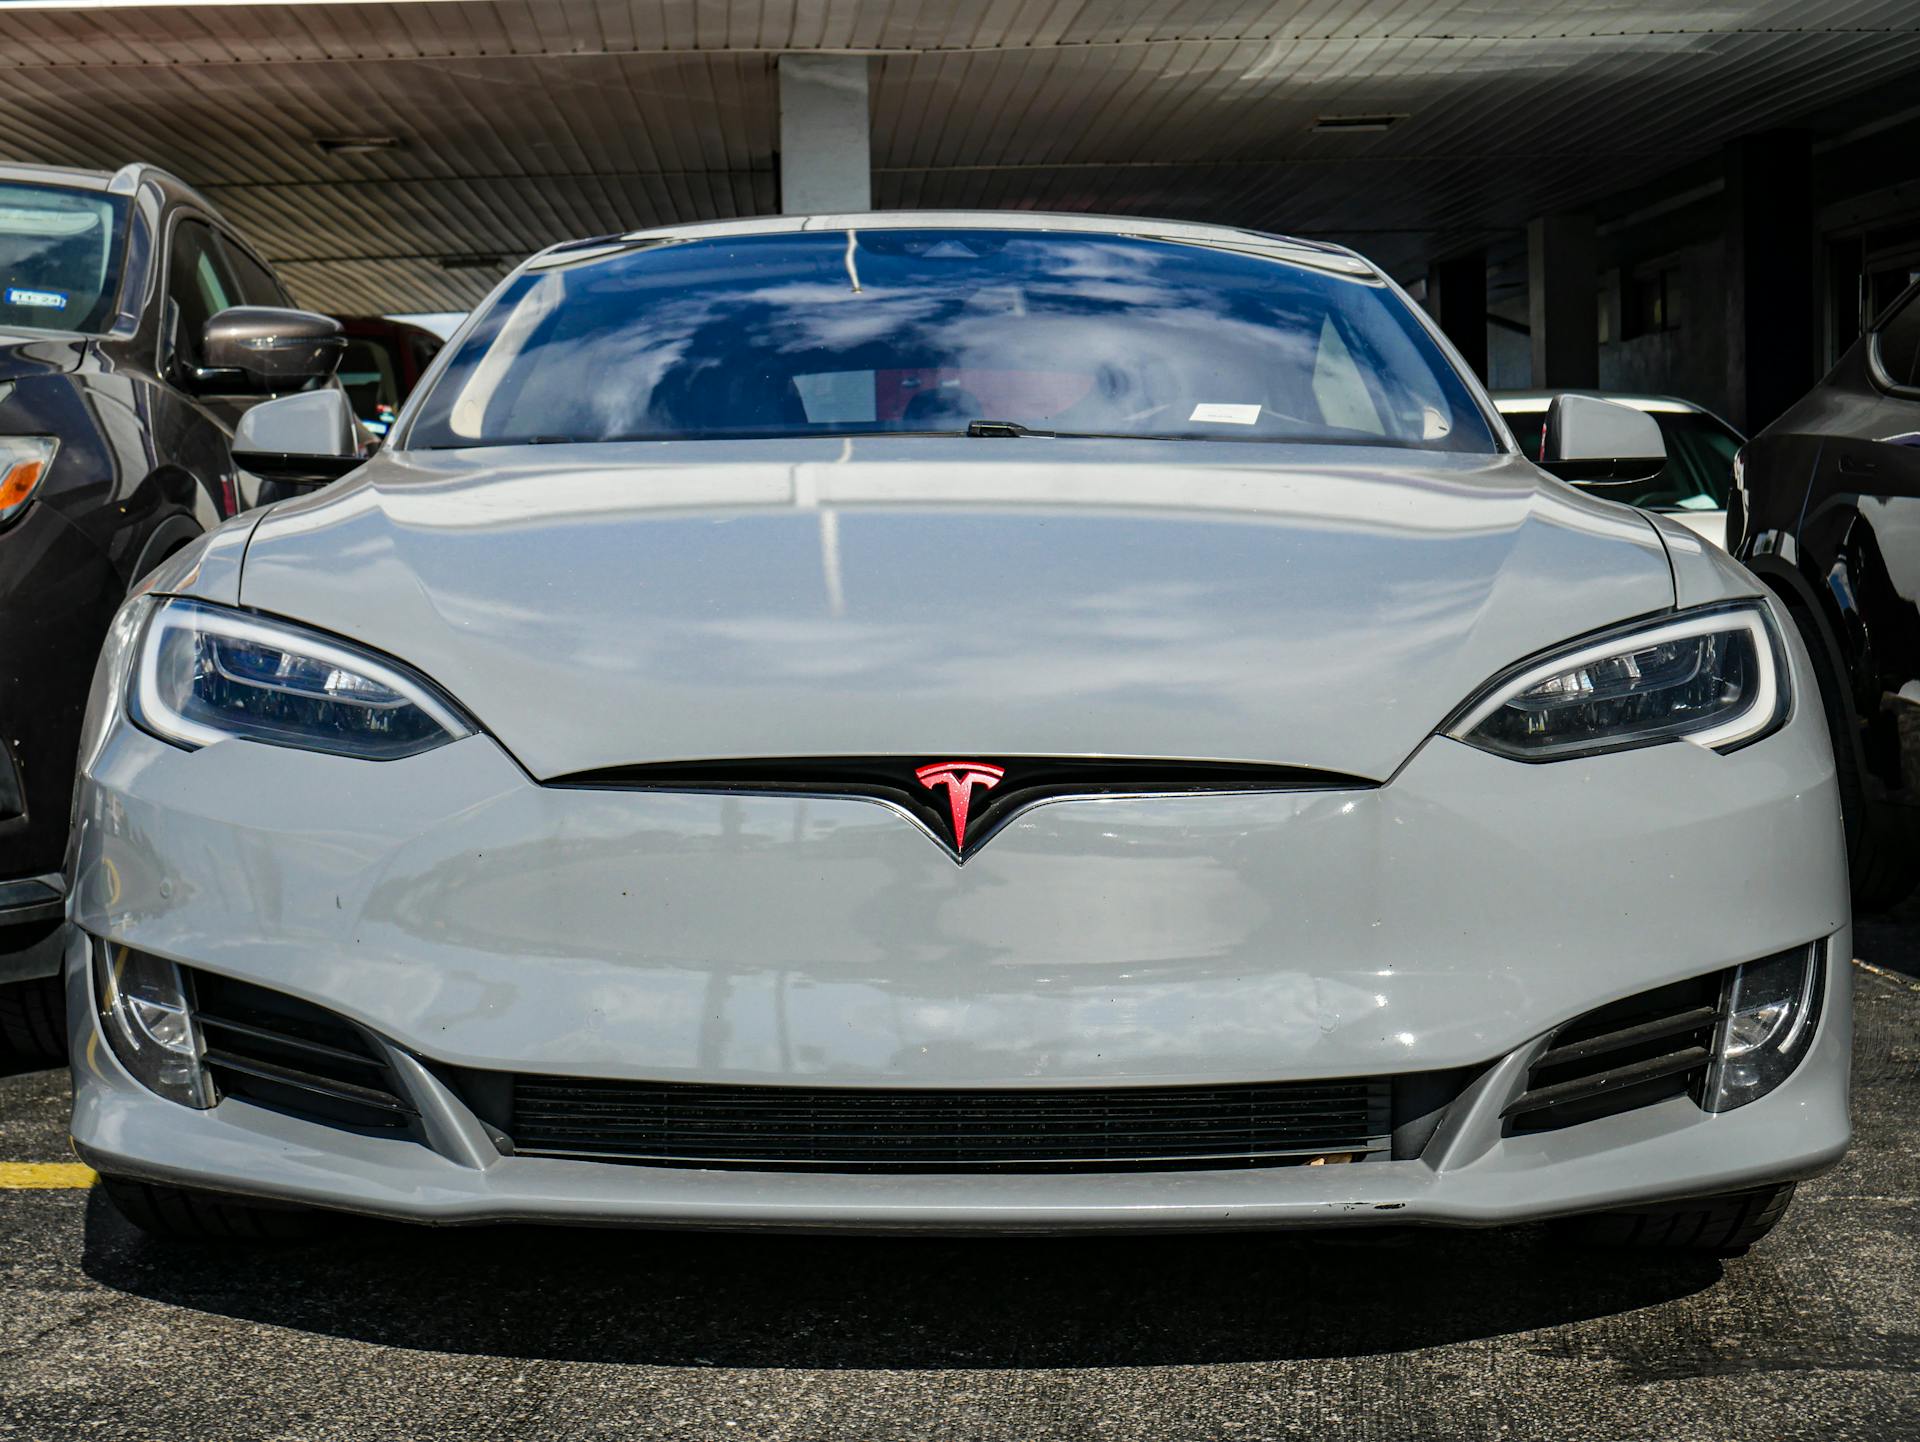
[(45, 1177)]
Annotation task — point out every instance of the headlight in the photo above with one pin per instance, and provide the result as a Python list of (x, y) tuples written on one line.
[(146, 1019), (1716, 677), (1772, 1009), (204, 673), (23, 465)]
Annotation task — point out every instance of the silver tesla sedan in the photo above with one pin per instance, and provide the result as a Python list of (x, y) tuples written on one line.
[(975, 722)]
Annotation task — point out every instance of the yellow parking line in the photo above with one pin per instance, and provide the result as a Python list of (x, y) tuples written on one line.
[(45, 1177), (1893, 976)]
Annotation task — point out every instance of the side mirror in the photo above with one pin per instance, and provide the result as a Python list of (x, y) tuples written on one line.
[(1588, 439), (303, 440), (262, 350)]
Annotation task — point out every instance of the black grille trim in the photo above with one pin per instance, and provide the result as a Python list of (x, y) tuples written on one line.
[(683, 1124), (1029, 781), (1623, 1056), (276, 1051)]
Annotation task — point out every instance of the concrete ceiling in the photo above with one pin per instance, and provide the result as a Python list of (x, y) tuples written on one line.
[(522, 122)]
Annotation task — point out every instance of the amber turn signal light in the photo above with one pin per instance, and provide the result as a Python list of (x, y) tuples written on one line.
[(23, 463)]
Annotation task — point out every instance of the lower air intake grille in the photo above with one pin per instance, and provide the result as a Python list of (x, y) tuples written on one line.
[(904, 1130), (1629, 1054), (276, 1051)]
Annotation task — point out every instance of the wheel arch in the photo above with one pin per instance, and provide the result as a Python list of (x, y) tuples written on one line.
[(166, 538), (1810, 614)]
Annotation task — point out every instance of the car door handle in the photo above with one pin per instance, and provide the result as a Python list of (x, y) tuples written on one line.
[(1851, 465)]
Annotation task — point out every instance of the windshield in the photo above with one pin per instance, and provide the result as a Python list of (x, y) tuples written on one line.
[(1699, 469), (836, 333), (59, 257)]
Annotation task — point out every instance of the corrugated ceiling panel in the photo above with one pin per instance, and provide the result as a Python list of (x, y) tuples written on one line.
[(526, 121)]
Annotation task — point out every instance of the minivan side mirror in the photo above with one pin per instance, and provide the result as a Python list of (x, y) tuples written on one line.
[(264, 350), (1588, 439), (305, 440)]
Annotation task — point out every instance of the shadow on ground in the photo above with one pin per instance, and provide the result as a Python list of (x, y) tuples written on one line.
[(1890, 939), (689, 1299)]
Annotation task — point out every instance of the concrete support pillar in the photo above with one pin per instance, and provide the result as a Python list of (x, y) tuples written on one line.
[(1563, 311), (1457, 300), (1772, 288), (826, 144)]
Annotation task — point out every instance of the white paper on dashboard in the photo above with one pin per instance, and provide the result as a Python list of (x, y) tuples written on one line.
[(1232, 415)]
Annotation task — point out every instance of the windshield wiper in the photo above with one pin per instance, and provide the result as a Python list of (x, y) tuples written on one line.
[(1013, 430), (1010, 429)]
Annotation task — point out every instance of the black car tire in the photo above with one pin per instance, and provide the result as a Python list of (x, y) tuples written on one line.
[(1880, 870), (183, 1214), (1723, 1226), (33, 1020)]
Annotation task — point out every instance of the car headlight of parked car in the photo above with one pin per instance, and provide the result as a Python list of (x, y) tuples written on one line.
[(1715, 676), (205, 673), (24, 461)]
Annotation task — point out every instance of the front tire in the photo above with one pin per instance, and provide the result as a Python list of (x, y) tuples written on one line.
[(33, 1021), (1879, 866), (1723, 1226), (182, 1214)]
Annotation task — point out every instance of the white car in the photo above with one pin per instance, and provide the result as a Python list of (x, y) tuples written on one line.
[(1700, 451), (975, 722)]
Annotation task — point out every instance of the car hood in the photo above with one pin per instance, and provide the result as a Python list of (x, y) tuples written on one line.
[(598, 606), (23, 355)]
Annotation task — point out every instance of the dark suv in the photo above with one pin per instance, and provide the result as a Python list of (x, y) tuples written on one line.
[(1826, 509), (114, 452)]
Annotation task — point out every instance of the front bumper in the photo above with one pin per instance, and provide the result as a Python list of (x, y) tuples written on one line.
[(31, 935), (1448, 920), (1469, 1175)]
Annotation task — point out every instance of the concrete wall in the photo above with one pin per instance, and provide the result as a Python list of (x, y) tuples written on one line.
[(1688, 356)]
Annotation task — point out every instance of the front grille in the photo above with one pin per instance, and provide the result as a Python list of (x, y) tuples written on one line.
[(276, 1051), (908, 1130), (1629, 1054)]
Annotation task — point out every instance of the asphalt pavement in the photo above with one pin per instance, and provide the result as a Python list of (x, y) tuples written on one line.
[(392, 1332)]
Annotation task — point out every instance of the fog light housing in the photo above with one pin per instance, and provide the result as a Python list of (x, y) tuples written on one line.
[(146, 1018), (1772, 1009)]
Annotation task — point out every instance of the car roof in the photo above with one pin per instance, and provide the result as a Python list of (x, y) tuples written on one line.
[(124, 181), (380, 325), (1532, 402), (1322, 254), (1521, 402), (68, 176)]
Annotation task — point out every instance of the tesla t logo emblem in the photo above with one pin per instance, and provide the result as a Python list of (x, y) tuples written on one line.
[(959, 777)]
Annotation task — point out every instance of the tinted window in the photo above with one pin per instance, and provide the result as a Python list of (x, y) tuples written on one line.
[(1699, 469), (373, 390), (257, 284), (199, 286), (421, 350), (835, 333), (1897, 343), (1699, 473), (1529, 430), (60, 254)]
